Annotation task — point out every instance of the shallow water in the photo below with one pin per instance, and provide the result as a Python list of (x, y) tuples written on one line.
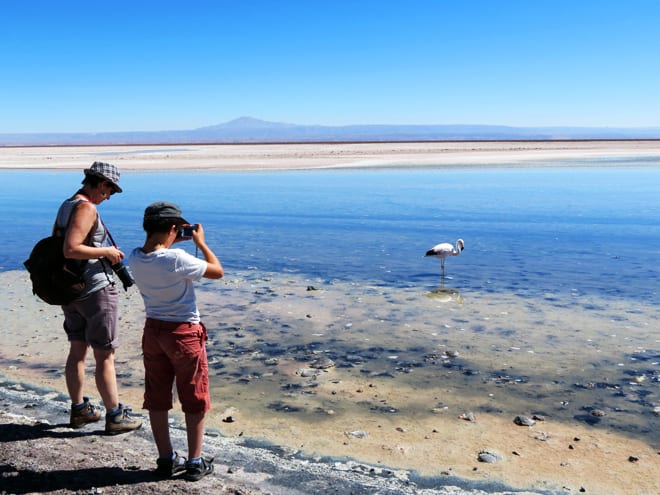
[(428, 351), (552, 308)]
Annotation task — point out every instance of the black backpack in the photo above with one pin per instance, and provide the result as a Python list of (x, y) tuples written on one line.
[(55, 279)]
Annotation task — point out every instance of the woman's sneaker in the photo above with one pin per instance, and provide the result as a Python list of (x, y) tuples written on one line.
[(170, 467), (121, 421), (83, 414), (195, 471)]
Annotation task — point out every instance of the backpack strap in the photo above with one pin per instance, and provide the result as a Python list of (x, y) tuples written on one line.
[(61, 232)]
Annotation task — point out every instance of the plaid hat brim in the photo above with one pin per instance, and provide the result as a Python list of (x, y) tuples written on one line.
[(107, 172)]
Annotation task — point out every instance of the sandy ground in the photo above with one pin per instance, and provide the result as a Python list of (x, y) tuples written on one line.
[(330, 155), (572, 458)]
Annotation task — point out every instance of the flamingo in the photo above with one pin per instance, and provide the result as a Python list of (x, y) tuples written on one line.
[(444, 250)]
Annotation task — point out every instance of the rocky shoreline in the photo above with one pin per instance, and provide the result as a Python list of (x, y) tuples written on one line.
[(40, 453)]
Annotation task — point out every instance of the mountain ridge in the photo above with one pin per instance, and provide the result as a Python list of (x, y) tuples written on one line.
[(252, 130)]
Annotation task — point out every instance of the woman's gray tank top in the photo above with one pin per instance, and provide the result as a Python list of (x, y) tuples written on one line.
[(98, 273)]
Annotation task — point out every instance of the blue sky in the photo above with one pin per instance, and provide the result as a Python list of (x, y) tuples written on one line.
[(91, 66)]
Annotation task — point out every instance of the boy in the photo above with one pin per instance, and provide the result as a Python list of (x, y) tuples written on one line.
[(174, 337)]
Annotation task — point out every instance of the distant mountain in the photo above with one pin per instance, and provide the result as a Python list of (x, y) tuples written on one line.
[(251, 130), (248, 123)]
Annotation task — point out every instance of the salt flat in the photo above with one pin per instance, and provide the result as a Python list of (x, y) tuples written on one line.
[(251, 157)]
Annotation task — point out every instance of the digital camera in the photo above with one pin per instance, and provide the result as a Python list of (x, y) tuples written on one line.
[(187, 231), (124, 274)]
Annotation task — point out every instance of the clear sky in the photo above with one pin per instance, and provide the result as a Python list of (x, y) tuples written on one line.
[(92, 66)]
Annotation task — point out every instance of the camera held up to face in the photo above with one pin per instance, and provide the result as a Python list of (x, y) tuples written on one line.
[(187, 231)]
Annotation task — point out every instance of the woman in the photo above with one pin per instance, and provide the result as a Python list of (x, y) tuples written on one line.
[(91, 320)]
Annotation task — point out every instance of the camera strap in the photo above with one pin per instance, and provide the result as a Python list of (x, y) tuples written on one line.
[(108, 232), (103, 261)]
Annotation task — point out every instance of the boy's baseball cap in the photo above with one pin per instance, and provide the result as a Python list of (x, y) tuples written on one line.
[(163, 209)]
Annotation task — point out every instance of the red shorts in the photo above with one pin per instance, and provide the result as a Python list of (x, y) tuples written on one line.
[(175, 351)]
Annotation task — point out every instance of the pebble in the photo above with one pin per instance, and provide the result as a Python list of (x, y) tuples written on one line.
[(468, 416), (524, 421), (322, 363), (308, 372), (489, 456), (357, 434)]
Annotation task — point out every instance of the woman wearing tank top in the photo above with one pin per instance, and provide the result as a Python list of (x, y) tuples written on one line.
[(91, 320)]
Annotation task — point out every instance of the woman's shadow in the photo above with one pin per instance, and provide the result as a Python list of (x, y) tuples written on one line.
[(24, 440)]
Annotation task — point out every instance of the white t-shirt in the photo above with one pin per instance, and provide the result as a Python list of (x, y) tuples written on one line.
[(165, 279)]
